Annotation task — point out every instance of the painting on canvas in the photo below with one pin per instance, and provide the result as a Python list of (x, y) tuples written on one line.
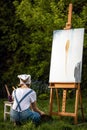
[(66, 56)]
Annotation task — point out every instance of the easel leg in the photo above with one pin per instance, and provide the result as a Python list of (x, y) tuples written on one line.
[(51, 101), (76, 106), (57, 96), (64, 100), (76, 102), (81, 105), (78, 98)]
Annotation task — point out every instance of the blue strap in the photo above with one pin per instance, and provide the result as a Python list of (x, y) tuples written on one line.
[(18, 102)]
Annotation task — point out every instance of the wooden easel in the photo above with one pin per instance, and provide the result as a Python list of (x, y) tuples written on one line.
[(65, 87)]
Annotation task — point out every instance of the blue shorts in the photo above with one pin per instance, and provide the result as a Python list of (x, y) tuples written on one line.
[(25, 115)]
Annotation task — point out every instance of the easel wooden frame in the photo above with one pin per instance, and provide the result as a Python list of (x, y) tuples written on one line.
[(65, 87)]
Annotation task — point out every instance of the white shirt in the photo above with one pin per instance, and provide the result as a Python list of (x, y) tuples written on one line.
[(26, 102)]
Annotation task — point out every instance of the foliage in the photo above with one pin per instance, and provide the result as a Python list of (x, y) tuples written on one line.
[(26, 36), (40, 87), (43, 96)]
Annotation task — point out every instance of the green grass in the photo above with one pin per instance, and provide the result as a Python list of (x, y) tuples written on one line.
[(64, 123)]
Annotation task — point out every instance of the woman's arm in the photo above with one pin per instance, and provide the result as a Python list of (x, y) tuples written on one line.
[(36, 109)]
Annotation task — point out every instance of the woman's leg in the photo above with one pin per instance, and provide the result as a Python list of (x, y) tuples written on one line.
[(36, 118), (30, 115), (14, 115)]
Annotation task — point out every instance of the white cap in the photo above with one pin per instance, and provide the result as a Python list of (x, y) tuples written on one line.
[(24, 79)]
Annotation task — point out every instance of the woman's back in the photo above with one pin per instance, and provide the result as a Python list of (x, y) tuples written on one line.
[(19, 94)]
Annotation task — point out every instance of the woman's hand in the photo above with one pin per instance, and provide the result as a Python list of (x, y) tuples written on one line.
[(42, 113)]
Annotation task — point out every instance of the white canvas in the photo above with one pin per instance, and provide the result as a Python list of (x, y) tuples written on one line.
[(66, 56)]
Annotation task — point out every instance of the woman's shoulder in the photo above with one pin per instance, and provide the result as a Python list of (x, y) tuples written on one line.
[(25, 90)]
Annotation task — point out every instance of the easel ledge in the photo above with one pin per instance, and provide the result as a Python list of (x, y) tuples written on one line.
[(63, 85)]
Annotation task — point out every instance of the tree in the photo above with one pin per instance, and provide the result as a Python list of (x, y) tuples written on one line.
[(26, 35), (41, 19)]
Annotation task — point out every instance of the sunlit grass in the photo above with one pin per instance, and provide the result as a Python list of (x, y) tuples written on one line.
[(64, 123)]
